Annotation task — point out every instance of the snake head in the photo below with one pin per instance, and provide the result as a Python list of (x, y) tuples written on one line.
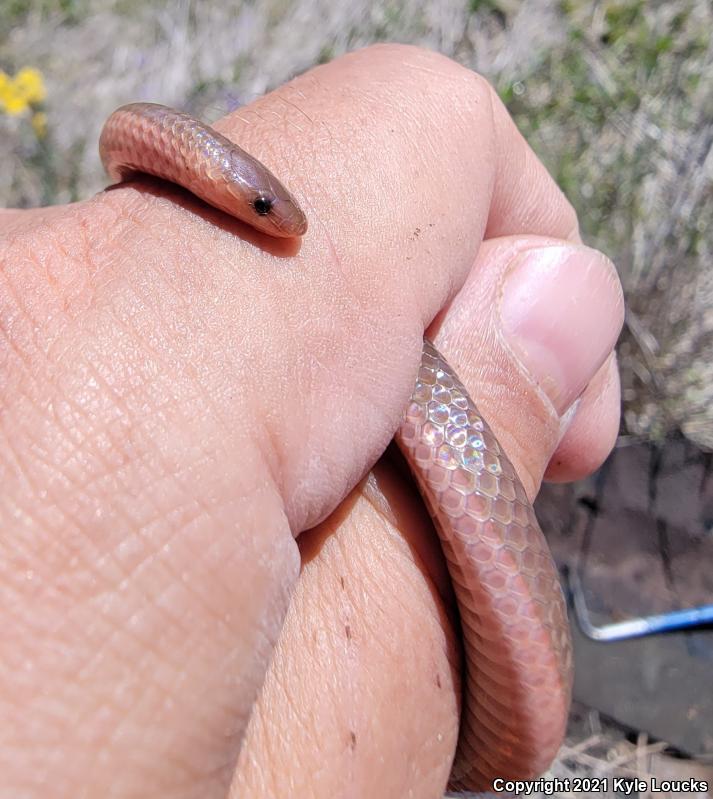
[(279, 211), (259, 197)]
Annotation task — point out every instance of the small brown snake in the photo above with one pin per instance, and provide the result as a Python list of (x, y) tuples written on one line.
[(516, 637)]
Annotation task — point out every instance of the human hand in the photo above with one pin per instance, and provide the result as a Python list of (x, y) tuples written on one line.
[(179, 402)]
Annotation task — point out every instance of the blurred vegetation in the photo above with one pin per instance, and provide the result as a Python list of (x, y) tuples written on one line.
[(622, 113), (616, 97)]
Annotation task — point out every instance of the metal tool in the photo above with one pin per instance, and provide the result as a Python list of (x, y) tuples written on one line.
[(634, 628)]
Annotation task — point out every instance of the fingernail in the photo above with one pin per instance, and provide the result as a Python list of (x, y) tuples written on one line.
[(561, 311)]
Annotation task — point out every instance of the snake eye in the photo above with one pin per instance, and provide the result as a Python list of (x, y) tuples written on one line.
[(263, 205)]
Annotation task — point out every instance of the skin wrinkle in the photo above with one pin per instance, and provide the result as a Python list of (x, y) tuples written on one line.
[(21, 559), (130, 217), (25, 315), (79, 439), (66, 516), (62, 279), (177, 214), (100, 477), (197, 384), (149, 352), (9, 336), (100, 600), (20, 470), (93, 557), (33, 277), (174, 579)]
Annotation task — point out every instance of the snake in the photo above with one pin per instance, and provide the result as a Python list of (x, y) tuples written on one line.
[(517, 658)]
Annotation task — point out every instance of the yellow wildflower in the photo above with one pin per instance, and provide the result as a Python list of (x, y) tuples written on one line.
[(17, 94), (6, 92), (14, 105), (30, 85)]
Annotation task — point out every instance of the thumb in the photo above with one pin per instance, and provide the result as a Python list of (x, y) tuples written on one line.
[(535, 323)]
